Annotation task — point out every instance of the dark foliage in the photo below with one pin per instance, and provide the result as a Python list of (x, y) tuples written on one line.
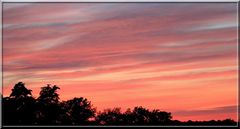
[(137, 116), (48, 106), (20, 108), (79, 111), (20, 91), (111, 117)]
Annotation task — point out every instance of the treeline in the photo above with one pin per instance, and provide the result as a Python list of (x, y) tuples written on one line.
[(21, 108)]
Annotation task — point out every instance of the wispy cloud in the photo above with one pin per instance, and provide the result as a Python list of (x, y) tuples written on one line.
[(137, 53)]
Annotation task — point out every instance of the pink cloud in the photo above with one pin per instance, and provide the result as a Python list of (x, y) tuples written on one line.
[(135, 53)]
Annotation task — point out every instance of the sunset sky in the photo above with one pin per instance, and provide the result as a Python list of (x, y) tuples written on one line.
[(177, 57)]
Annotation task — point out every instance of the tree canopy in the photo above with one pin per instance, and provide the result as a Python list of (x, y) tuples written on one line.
[(21, 108), (20, 91)]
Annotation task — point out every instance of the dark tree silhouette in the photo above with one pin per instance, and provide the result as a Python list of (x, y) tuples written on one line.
[(49, 108), (111, 117), (20, 108), (159, 117), (139, 116), (79, 110), (20, 91), (49, 94)]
